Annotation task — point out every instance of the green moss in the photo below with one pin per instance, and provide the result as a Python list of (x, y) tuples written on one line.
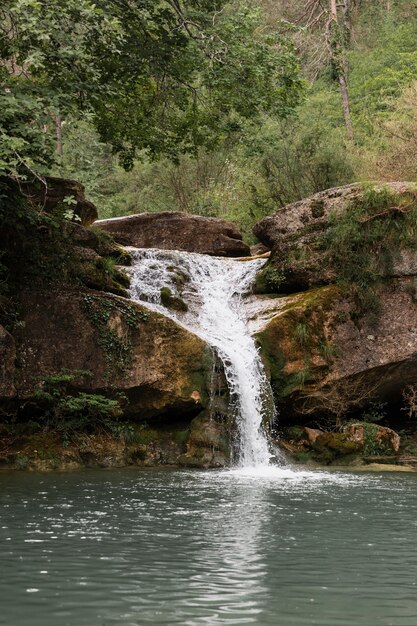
[(172, 302), (306, 457), (107, 247), (115, 342), (297, 334), (294, 433), (147, 435)]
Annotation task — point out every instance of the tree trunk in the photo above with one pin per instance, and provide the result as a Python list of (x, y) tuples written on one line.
[(346, 107), (59, 143), (338, 56)]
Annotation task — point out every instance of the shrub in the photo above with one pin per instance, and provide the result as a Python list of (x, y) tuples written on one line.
[(69, 413)]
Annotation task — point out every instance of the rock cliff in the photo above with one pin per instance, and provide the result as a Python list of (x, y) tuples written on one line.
[(339, 330)]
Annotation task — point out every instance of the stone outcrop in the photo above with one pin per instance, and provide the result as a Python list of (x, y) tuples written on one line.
[(177, 231), (323, 360), (295, 236), (355, 444), (160, 367), (49, 192), (340, 341)]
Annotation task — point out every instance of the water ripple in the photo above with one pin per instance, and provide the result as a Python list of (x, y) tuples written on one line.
[(131, 548)]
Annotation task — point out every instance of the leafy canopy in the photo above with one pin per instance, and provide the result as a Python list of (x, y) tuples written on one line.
[(164, 76)]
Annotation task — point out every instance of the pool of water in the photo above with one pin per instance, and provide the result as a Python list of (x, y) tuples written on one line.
[(130, 547)]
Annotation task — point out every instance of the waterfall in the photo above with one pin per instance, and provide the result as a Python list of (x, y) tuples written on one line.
[(206, 296)]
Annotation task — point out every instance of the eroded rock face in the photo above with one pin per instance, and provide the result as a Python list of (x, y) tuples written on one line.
[(54, 190), (294, 235), (177, 231), (323, 358), (161, 367)]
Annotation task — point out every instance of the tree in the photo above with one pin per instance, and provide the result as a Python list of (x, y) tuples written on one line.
[(337, 34), (164, 76), (323, 35)]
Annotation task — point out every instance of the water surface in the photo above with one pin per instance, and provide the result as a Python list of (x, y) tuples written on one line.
[(130, 547)]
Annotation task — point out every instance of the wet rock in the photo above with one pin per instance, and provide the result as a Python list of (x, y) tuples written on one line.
[(312, 434), (208, 444), (259, 249), (177, 231), (171, 301), (337, 444), (323, 361)]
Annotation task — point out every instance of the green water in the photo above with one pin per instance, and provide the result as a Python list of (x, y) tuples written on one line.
[(130, 547)]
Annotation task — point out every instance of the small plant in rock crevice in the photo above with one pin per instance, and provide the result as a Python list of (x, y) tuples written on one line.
[(362, 244), (374, 446)]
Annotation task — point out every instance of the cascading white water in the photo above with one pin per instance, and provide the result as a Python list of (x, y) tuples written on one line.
[(213, 290)]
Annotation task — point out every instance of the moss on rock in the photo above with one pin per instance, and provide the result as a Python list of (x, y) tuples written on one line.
[(171, 301)]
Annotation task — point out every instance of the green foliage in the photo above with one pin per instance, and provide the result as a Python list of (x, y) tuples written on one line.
[(328, 351), (297, 158), (374, 446), (33, 241), (48, 66), (161, 76), (22, 461), (299, 378), (268, 280), (302, 334), (375, 412), (69, 413)]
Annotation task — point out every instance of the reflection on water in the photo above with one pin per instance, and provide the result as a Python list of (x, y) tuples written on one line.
[(278, 547)]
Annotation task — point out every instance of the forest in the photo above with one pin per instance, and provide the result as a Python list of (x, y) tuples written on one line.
[(222, 109)]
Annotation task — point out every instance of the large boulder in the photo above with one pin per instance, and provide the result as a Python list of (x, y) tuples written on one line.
[(296, 235), (49, 192), (177, 231), (162, 368)]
